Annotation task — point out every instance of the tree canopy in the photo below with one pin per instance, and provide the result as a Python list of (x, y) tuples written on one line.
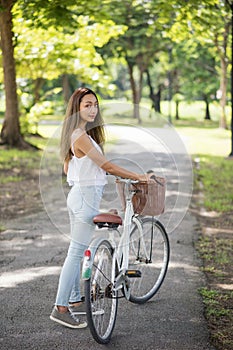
[(145, 43)]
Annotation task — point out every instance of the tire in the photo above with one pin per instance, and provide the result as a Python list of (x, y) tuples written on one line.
[(99, 295), (153, 267)]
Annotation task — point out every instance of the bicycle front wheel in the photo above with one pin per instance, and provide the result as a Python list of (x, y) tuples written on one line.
[(149, 253), (101, 300)]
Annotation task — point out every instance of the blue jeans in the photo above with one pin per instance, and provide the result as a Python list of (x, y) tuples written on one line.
[(83, 204)]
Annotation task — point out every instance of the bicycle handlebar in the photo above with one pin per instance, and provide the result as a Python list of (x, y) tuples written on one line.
[(121, 179), (129, 181)]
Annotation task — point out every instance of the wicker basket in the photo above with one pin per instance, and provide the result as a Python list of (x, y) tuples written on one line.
[(149, 198)]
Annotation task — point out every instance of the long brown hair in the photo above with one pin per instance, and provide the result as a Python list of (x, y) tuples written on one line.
[(94, 129)]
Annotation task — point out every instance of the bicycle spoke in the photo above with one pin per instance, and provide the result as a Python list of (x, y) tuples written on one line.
[(148, 253), (101, 299)]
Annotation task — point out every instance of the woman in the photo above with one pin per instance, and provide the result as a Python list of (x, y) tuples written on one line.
[(82, 142)]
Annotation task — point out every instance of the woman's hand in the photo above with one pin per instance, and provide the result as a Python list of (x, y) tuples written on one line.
[(144, 177)]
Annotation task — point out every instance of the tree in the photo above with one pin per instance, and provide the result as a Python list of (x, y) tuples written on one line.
[(10, 133), (156, 75), (230, 4), (155, 97), (208, 22), (196, 76), (143, 40), (46, 54), (43, 15)]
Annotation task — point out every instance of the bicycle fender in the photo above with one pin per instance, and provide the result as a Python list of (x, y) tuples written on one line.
[(89, 257)]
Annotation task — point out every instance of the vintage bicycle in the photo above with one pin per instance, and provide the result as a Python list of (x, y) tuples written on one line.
[(131, 264)]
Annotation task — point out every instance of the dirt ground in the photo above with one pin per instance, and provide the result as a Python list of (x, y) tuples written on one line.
[(215, 246), (23, 198)]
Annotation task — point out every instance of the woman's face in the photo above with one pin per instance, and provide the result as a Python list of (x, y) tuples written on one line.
[(88, 108)]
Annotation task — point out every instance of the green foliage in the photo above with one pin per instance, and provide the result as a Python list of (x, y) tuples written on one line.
[(195, 67), (146, 25), (59, 14), (143, 41), (84, 39), (29, 122), (46, 50), (50, 52), (207, 23)]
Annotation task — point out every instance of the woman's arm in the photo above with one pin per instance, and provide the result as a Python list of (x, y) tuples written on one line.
[(84, 146)]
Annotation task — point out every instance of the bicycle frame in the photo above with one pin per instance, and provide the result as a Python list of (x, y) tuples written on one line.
[(123, 247), (112, 265), (121, 252)]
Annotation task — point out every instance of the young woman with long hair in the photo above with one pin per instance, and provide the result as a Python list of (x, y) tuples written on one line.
[(85, 165)]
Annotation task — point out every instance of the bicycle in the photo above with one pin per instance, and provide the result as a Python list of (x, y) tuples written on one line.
[(134, 268)]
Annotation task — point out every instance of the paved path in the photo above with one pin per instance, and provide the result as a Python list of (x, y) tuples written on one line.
[(34, 247)]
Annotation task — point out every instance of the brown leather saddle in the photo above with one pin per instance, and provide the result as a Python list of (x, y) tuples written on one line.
[(109, 220)]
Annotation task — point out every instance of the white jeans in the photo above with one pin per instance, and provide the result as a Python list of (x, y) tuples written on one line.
[(83, 204)]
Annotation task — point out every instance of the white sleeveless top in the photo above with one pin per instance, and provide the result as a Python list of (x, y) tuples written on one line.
[(84, 172)]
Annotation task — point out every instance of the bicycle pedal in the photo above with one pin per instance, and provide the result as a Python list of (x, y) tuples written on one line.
[(133, 273)]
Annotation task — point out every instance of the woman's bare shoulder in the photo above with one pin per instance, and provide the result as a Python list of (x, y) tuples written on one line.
[(77, 134)]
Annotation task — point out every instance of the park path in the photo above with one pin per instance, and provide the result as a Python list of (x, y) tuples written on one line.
[(33, 249)]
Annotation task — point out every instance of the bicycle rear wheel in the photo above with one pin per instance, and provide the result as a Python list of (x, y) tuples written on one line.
[(149, 253), (101, 300)]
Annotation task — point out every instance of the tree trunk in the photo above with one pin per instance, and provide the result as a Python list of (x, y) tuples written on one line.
[(155, 98), (38, 83), (10, 133), (136, 92), (66, 87), (223, 89), (222, 50), (207, 109), (177, 110)]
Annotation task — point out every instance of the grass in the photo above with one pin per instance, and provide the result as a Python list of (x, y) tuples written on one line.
[(195, 111), (203, 141), (214, 180), (14, 158), (216, 310), (217, 253), (201, 137), (7, 179), (14, 164), (209, 145), (206, 141), (120, 111), (216, 176), (212, 299)]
